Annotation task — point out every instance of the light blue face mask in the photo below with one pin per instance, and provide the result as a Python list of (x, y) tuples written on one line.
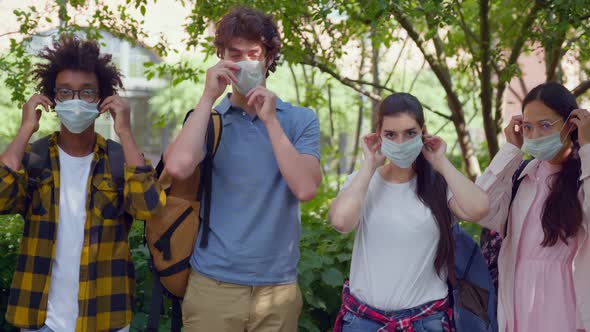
[(251, 75), (546, 147), (543, 148), (404, 154), (76, 115)]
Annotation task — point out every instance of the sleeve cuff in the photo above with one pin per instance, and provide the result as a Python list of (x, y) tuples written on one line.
[(7, 172), (139, 172), (309, 152), (584, 153), (506, 154)]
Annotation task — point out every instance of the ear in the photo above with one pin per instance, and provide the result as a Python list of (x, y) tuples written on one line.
[(424, 130)]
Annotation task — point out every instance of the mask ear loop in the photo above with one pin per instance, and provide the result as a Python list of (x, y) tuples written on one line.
[(565, 124)]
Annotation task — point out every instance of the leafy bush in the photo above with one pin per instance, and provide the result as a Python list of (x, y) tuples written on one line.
[(11, 230), (324, 264)]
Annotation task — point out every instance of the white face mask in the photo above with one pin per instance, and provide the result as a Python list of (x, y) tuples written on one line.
[(251, 75), (404, 154), (76, 115)]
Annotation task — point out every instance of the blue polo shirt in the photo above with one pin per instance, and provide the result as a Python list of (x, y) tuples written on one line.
[(255, 223)]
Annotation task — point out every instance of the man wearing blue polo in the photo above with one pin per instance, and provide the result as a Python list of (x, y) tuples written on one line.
[(266, 163)]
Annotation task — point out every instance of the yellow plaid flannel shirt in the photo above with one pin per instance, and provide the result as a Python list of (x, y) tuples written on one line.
[(107, 277)]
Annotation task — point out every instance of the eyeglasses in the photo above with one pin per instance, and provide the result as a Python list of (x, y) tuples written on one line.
[(88, 95), (544, 127)]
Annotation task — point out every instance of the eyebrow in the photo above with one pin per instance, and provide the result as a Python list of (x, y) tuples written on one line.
[(67, 86), (548, 120), (407, 130), (233, 49)]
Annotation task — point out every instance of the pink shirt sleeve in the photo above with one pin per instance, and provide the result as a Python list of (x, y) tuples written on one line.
[(496, 181)]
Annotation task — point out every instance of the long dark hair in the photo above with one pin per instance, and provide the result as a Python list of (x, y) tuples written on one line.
[(562, 212), (431, 186)]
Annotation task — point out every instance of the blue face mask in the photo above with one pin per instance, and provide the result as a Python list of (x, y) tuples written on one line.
[(546, 147), (76, 115), (250, 76), (543, 148), (404, 154)]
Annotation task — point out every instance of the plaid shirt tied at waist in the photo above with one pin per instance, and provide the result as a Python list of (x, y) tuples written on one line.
[(392, 323)]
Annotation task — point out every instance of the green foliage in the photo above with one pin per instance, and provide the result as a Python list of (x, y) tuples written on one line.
[(324, 264), (11, 229), (143, 294)]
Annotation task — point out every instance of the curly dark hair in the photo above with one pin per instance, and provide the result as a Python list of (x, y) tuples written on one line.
[(71, 53), (252, 25)]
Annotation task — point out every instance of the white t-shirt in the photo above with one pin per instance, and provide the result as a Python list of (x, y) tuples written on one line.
[(62, 306), (394, 249)]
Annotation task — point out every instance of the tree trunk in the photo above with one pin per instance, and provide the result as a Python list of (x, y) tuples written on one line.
[(357, 135), (485, 79), (470, 161), (441, 70), (376, 81)]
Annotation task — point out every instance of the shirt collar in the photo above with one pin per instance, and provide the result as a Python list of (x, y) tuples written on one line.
[(529, 169), (100, 145), (225, 105)]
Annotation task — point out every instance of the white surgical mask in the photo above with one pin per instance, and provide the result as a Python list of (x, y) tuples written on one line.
[(76, 115), (251, 75), (404, 154)]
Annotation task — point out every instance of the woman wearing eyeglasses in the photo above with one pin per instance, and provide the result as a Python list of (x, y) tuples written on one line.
[(544, 263)]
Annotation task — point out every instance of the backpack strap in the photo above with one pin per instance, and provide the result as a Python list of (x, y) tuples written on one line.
[(38, 158), (116, 163), (516, 180), (214, 130), (34, 163)]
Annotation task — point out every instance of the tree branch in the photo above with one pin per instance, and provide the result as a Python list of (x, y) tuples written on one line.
[(485, 79), (581, 88), (399, 56), (439, 69), (354, 84), (416, 77), (469, 34), (295, 83), (436, 40), (518, 96), (514, 54), (442, 115), (9, 33), (373, 84)]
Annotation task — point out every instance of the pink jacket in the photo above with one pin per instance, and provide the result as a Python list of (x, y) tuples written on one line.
[(497, 182)]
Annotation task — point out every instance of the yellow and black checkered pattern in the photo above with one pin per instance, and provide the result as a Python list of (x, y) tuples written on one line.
[(106, 271)]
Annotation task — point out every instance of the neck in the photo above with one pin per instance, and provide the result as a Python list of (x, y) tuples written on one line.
[(77, 145), (392, 173)]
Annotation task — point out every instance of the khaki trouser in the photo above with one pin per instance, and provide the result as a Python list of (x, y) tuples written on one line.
[(214, 306)]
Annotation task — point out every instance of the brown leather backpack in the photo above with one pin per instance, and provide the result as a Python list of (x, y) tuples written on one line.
[(172, 233)]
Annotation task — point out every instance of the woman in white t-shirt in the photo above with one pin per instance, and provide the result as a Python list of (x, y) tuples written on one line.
[(403, 212)]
